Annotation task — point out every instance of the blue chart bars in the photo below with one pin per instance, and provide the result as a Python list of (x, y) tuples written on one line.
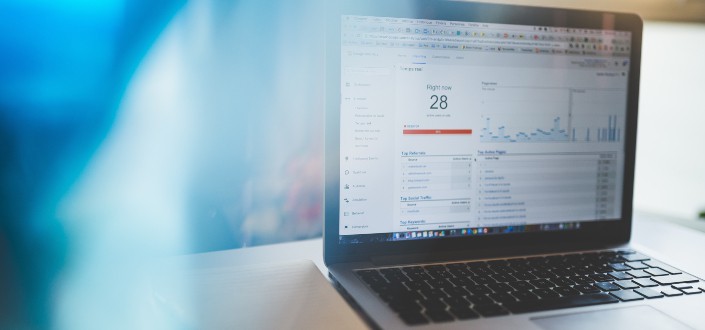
[(609, 133)]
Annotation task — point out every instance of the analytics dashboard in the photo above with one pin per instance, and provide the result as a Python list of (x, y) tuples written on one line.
[(451, 125)]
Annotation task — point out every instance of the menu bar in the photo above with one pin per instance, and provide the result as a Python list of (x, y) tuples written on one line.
[(429, 34)]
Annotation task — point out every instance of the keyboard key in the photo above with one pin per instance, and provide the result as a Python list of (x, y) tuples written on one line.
[(619, 267), (620, 275), (581, 280), (373, 279), (439, 315), (599, 278), (670, 270), (439, 283), (441, 274), (387, 287), (478, 289), (587, 288), (396, 278), (460, 272), (542, 283), (545, 293), (638, 273), (464, 313), (663, 266), (481, 270), (456, 292), (405, 306), (539, 274), (520, 267), (480, 299), (476, 264), (433, 293), (563, 272), (670, 292), (626, 284), (456, 302), (536, 260), (627, 295), (691, 291), (502, 270), (491, 310), (562, 302), (601, 269), (566, 291), (635, 257), (502, 297), (636, 265), (583, 270), (648, 293), (433, 304), (524, 296), (462, 281), (500, 287), (503, 278), (645, 282), (563, 281), (419, 276), (483, 279), (681, 286), (521, 285), (616, 259), (673, 279), (522, 275), (417, 285), (607, 286), (656, 271)]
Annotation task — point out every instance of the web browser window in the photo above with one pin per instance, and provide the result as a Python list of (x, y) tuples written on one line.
[(460, 128)]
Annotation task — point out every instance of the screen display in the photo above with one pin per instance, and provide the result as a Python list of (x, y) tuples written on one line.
[(458, 128)]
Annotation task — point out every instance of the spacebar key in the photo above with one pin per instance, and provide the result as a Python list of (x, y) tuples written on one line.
[(562, 302)]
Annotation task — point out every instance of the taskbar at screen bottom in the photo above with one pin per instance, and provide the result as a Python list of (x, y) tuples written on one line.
[(435, 234)]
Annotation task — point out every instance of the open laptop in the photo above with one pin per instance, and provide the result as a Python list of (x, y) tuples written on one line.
[(480, 167)]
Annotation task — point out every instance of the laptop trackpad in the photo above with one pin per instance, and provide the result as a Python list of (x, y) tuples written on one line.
[(638, 317)]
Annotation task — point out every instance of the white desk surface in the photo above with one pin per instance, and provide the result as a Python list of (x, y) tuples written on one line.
[(656, 236)]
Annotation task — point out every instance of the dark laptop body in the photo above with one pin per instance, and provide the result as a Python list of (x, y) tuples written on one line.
[(432, 106)]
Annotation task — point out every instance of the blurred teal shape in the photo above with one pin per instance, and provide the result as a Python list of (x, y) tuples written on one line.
[(122, 143), (109, 161), (57, 56), (216, 144), (63, 67)]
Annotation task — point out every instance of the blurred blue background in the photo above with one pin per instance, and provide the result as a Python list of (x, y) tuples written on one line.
[(135, 130), (132, 130)]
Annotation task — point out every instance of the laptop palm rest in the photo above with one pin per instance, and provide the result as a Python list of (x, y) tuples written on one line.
[(637, 317)]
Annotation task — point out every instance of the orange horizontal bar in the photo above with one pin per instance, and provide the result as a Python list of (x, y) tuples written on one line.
[(438, 131)]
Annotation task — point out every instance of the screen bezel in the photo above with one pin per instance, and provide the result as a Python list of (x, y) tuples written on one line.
[(592, 233)]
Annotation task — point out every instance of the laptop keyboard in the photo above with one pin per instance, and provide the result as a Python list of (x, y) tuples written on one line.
[(458, 290)]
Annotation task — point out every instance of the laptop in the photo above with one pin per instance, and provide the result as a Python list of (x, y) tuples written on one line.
[(480, 168)]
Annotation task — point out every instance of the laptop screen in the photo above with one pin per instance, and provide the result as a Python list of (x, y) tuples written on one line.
[(454, 128)]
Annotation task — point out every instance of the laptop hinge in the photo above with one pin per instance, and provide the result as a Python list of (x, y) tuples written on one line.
[(484, 254)]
